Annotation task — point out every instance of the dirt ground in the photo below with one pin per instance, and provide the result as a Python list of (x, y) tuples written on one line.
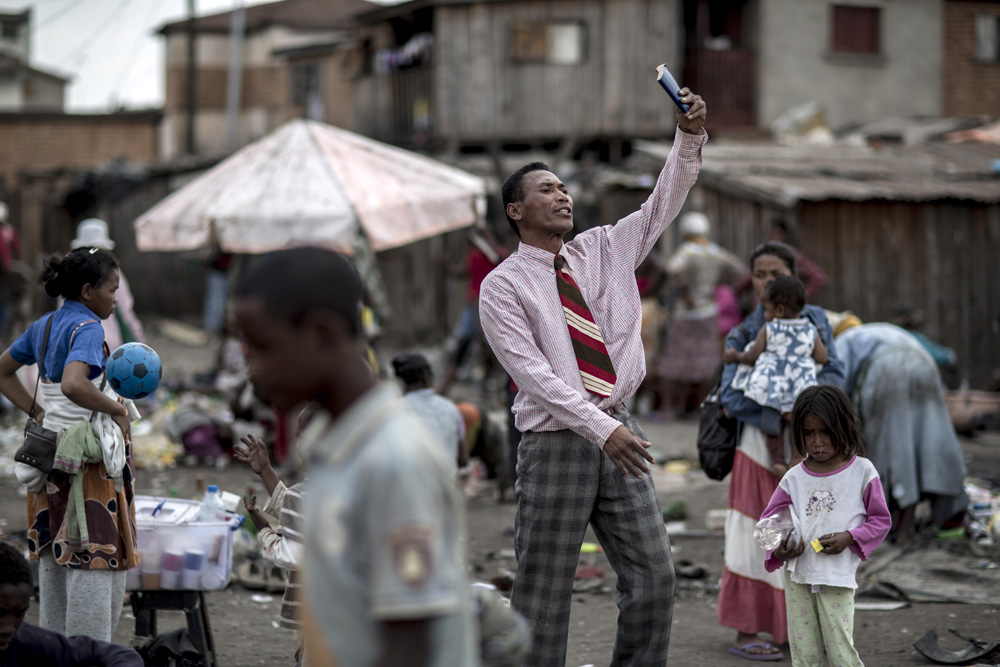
[(244, 623)]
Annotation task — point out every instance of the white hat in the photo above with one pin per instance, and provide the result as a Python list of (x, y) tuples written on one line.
[(92, 233), (695, 224)]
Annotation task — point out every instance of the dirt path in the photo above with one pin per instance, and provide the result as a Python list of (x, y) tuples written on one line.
[(246, 634)]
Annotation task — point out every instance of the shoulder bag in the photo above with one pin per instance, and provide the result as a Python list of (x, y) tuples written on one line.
[(39, 448), (717, 433)]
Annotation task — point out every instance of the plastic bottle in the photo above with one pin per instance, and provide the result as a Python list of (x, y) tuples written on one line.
[(212, 508)]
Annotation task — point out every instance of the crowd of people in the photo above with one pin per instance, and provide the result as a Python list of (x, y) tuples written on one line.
[(842, 431)]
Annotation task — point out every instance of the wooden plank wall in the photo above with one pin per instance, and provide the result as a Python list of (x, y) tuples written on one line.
[(481, 95), (385, 104), (738, 224), (939, 257), (425, 301), (170, 284)]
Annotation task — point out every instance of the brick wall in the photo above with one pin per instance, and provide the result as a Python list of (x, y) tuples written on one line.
[(262, 86), (969, 87), (68, 140)]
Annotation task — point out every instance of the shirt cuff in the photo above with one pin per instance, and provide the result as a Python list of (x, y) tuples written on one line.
[(689, 145), (601, 426), (276, 501)]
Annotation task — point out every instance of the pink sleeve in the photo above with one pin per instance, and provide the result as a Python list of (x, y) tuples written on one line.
[(779, 501), (632, 237), (870, 534)]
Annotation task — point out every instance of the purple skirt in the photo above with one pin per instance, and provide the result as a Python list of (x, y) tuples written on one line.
[(692, 351)]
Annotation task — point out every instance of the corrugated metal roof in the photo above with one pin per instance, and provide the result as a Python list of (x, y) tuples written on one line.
[(786, 175), (301, 14)]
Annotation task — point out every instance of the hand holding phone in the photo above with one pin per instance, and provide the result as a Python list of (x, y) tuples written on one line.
[(669, 84)]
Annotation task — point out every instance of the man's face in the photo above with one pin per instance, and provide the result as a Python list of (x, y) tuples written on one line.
[(546, 206), (281, 359), (15, 599)]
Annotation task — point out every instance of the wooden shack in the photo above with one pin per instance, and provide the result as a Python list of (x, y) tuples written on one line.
[(895, 226), (481, 71)]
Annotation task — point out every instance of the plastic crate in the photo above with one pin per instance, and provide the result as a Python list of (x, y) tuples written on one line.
[(177, 551)]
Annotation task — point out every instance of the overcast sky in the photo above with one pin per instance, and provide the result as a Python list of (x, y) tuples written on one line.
[(109, 47)]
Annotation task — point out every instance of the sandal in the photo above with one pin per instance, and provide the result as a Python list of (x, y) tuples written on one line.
[(743, 651)]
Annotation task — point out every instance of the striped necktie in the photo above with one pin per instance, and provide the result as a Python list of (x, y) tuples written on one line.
[(592, 357)]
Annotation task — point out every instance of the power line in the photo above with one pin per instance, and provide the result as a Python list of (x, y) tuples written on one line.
[(58, 14), (114, 16), (135, 52)]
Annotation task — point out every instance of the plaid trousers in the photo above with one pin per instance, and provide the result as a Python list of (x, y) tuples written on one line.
[(563, 483)]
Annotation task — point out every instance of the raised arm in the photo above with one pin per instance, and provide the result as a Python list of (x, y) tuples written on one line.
[(632, 237)]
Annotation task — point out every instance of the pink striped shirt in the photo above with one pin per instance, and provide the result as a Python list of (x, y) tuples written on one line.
[(523, 318)]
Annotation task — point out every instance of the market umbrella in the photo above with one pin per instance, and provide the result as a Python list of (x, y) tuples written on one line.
[(309, 182)]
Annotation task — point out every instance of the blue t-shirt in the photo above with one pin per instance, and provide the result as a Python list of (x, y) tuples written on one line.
[(87, 344)]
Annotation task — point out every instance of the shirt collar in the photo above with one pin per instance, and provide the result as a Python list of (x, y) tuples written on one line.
[(76, 306), (539, 256), (327, 436)]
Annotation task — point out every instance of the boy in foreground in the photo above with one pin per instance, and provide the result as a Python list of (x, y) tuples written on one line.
[(384, 576)]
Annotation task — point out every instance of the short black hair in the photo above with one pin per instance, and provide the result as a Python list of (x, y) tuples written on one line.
[(412, 369), (292, 282), (779, 250), (513, 189), (65, 276), (13, 567), (787, 291), (832, 407)]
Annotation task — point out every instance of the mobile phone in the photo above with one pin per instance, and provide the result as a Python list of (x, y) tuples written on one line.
[(669, 84)]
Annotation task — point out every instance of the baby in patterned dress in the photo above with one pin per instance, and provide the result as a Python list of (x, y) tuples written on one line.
[(781, 361)]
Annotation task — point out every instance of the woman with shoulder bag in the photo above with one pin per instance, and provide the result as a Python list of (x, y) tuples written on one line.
[(752, 600), (81, 581)]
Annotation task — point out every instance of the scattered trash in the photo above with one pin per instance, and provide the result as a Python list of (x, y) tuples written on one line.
[(257, 597), (689, 570), (863, 605), (675, 510), (928, 647), (504, 581), (588, 572), (678, 467), (676, 527), (715, 520)]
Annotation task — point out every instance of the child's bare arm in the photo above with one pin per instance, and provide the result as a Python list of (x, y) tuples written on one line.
[(254, 453), (250, 502), (820, 353), (750, 356), (734, 356)]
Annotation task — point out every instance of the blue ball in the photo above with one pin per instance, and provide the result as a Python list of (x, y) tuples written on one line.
[(134, 370)]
